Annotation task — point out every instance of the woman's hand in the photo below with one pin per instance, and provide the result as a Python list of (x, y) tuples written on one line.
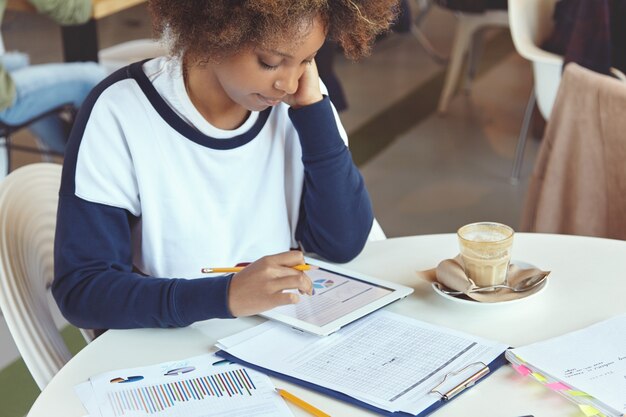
[(308, 91), (260, 286)]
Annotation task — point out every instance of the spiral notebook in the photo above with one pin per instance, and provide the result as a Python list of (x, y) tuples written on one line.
[(587, 366)]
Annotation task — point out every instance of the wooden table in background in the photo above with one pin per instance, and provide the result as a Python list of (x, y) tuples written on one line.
[(80, 42)]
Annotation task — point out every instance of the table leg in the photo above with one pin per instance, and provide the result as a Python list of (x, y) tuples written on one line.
[(80, 42)]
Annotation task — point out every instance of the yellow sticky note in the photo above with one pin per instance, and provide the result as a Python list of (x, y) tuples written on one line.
[(578, 393), (539, 377), (589, 410)]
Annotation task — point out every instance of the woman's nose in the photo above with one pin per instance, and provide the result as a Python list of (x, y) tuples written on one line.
[(288, 84)]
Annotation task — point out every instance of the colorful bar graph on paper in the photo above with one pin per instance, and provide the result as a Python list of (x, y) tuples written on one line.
[(156, 398)]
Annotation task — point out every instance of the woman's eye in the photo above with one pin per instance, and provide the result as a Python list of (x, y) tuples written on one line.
[(267, 66)]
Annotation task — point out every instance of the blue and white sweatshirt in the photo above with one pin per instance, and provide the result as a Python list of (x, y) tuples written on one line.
[(151, 193)]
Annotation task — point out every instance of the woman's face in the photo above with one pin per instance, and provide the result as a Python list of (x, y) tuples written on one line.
[(259, 77)]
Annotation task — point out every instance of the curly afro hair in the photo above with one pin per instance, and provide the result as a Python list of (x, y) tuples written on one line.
[(208, 30)]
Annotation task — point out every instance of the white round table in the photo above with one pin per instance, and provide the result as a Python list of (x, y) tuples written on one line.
[(588, 274)]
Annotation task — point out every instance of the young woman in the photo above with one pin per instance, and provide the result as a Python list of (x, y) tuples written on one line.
[(227, 152)]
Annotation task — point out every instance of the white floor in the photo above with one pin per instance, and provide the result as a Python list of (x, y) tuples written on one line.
[(442, 173)]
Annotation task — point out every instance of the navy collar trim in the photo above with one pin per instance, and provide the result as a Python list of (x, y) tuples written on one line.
[(182, 127)]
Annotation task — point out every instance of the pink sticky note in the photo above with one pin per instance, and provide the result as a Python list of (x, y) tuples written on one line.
[(521, 369), (557, 386)]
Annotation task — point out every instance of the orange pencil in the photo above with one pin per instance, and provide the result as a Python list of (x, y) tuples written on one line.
[(301, 403), (303, 267)]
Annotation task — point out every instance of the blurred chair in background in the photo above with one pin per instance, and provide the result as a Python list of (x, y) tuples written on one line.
[(473, 17), (531, 23), (420, 9), (65, 112), (12, 61), (126, 53), (28, 206), (578, 185)]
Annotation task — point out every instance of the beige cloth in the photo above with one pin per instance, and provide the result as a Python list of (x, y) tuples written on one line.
[(578, 185), (451, 274)]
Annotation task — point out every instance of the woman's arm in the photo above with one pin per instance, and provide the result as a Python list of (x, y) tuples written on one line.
[(336, 213), (99, 203), (95, 286)]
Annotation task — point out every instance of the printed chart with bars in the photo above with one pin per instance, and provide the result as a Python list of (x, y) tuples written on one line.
[(202, 386), (155, 398)]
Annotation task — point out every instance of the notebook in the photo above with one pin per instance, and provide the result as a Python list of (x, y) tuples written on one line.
[(587, 366)]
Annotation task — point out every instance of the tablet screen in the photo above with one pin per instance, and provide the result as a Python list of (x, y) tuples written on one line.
[(334, 296)]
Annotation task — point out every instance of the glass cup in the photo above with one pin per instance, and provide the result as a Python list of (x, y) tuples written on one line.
[(486, 252)]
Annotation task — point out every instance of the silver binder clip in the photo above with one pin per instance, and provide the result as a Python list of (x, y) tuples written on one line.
[(447, 394)]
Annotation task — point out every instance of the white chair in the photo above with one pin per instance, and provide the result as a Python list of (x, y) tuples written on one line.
[(465, 43), (531, 22), (28, 207), (419, 9), (120, 55)]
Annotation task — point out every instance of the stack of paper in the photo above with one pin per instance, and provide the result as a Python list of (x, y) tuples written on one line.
[(385, 360), (587, 366), (201, 386)]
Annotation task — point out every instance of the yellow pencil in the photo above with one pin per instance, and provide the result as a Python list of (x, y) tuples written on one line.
[(301, 403), (302, 267)]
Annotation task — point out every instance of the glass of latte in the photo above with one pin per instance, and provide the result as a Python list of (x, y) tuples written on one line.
[(486, 252)]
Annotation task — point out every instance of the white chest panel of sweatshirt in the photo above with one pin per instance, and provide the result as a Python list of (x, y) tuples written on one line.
[(197, 205)]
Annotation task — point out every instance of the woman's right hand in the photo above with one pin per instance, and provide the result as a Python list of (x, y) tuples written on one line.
[(261, 285)]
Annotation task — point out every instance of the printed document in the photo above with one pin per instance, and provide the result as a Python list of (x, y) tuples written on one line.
[(390, 361), (203, 386)]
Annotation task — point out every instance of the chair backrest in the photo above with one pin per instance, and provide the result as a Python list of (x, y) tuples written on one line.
[(531, 22), (126, 53), (28, 207)]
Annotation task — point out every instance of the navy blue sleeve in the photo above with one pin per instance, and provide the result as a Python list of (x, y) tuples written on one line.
[(94, 282), (336, 213), (96, 288)]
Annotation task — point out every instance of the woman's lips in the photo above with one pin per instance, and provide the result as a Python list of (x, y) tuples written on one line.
[(269, 101)]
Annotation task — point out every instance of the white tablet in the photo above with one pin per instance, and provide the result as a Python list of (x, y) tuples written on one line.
[(340, 297)]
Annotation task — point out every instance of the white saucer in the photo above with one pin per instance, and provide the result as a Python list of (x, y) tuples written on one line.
[(463, 300)]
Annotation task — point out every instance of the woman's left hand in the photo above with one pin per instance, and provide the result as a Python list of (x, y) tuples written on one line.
[(308, 91)]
